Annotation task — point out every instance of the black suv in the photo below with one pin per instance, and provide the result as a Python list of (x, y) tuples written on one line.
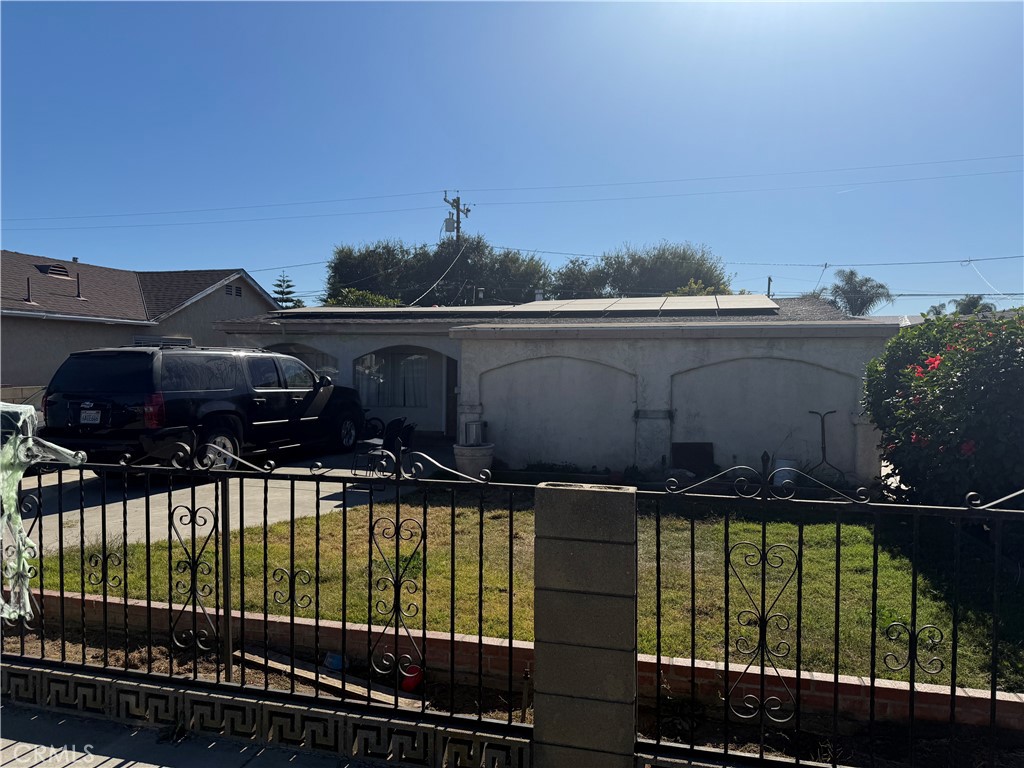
[(146, 401)]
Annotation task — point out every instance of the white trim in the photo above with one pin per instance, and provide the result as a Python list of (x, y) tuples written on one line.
[(75, 318), (213, 289), (711, 330)]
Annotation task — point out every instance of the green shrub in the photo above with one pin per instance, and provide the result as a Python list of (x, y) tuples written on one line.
[(948, 397)]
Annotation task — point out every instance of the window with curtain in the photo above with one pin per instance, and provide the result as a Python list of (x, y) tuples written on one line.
[(392, 379)]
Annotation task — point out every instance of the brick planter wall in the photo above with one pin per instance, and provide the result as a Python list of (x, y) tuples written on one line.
[(892, 699)]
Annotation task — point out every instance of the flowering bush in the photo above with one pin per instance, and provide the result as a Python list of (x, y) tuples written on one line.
[(948, 397)]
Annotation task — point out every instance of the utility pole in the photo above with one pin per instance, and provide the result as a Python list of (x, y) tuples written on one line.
[(460, 211)]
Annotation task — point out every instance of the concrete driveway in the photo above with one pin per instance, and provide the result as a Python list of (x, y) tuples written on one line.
[(79, 506)]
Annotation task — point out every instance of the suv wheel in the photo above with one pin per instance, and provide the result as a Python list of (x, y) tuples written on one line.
[(348, 432), (223, 439)]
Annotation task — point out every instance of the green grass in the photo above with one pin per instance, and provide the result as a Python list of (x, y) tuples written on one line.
[(353, 582)]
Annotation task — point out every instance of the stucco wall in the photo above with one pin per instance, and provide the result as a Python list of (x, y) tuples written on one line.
[(547, 408), (564, 395), (32, 349), (197, 319)]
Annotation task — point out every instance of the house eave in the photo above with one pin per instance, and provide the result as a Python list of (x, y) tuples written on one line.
[(662, 330), (74, 318)]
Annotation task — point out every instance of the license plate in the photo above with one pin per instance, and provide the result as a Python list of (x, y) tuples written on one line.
[(89, 417)]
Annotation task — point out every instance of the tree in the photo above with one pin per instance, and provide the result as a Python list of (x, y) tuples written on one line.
[(378, 268), (656, 270), (699, 289), (972, 304), (449, 273), (579, 279), (284, 293), (936, 310), (353, 297), (945, 395), (857, 295)]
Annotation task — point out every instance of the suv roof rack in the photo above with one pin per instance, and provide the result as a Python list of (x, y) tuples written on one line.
[(167, 345)]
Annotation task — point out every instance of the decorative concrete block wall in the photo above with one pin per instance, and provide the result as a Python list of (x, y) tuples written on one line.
[(585, 588)]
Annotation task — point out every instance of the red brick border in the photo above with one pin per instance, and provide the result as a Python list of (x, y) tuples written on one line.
[(892, 698)]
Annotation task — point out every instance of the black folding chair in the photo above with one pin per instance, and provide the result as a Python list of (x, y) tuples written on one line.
[(363, 461)]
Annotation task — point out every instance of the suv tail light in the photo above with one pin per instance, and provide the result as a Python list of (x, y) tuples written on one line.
[(153, 411)]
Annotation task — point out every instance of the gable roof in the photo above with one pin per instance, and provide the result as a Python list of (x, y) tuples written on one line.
[(165, 291), (90, 292)]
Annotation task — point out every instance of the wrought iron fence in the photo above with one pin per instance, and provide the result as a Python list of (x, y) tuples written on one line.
[(383, 587), (775, 620), (794, 620)]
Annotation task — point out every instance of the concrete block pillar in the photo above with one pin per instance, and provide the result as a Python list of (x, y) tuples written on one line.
[(585, 593)]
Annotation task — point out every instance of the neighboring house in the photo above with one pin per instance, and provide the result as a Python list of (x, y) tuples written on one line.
[(51, 308), (657, 383)]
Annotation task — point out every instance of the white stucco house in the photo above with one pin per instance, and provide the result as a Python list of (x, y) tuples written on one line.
[(687, 382)]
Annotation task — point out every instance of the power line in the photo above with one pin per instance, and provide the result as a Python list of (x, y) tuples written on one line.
[(705, 193), (224, 208), (744, 175), (220, 221), (776, 264), (526, 188)]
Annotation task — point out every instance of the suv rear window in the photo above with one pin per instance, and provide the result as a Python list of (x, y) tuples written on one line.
[(197, 372), (113, 372)]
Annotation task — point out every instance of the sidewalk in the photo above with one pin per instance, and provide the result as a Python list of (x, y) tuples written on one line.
[(35, 738)]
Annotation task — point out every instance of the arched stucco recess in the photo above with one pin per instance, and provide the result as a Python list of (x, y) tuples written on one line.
[(533, 419), (559, 357), (681, 371), (742, 415)]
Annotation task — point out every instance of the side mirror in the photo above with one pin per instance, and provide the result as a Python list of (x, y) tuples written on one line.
[(325, 381)]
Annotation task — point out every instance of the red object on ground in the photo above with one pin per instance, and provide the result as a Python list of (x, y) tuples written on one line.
[(412, 678)]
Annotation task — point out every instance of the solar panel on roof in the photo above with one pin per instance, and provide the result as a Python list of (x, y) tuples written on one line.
[(690, 304), (746, 301)]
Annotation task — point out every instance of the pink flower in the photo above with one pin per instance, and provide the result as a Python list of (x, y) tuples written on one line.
[(933, 362), (967, 447)]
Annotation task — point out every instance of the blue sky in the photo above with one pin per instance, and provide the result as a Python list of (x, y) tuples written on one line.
[(126, 108)]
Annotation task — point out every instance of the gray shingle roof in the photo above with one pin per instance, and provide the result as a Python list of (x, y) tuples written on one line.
[(163, 291), (118, 294), (106, 292)]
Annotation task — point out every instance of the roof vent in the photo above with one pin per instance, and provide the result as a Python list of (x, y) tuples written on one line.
[(54, 270)]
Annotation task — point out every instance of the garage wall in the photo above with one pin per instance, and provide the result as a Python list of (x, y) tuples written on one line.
[(545, 407), (616, 397), (738, 405)]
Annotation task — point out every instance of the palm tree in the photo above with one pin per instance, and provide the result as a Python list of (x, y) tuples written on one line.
[(936, 310), (857, 295), (972, 304)]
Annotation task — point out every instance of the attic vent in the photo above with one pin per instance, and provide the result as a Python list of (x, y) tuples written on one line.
[(54, 270)]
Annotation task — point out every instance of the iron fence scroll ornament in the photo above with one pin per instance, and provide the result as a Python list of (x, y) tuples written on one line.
[(763, 617), (927, 638), (192, 572), (398, 592), (749, 483)]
